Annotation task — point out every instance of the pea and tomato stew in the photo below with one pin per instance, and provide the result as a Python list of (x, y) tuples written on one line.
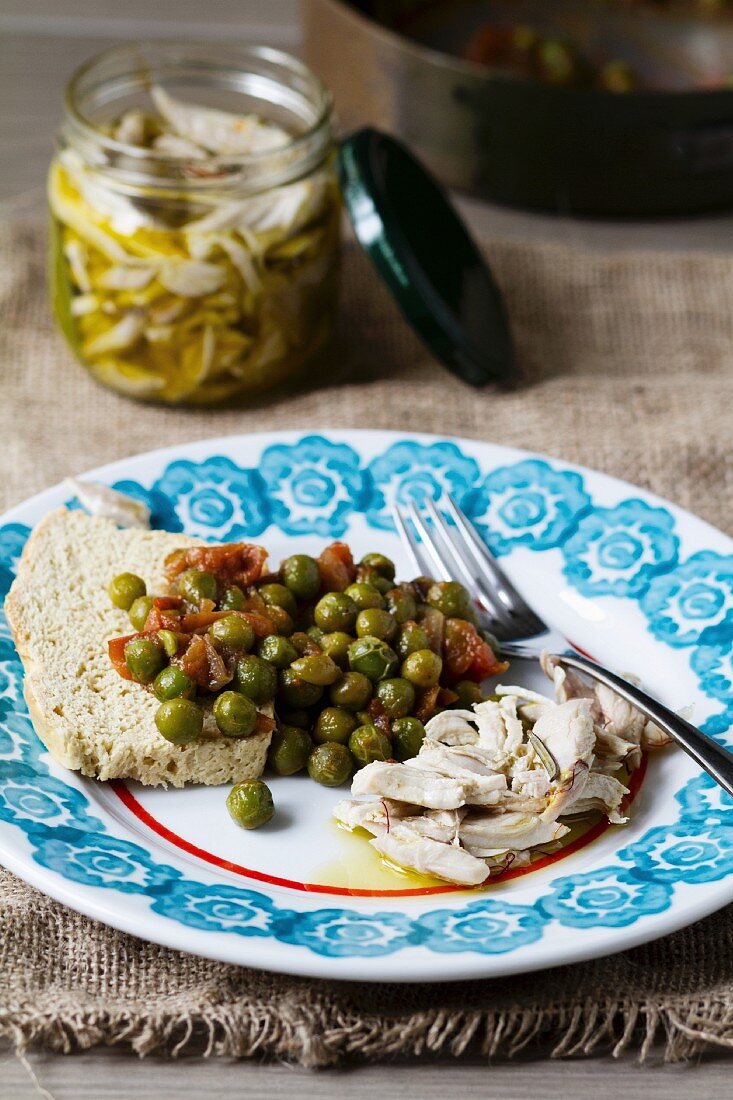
[(353, 662)]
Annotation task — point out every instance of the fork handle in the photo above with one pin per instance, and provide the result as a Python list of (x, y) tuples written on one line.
[(711, 756)]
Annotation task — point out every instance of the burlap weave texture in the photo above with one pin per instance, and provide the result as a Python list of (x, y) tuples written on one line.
[(626, 365)]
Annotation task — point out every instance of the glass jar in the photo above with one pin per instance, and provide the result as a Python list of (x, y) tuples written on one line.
[(183, 275)]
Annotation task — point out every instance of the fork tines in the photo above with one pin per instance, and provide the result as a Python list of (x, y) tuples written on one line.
[(455, 551)]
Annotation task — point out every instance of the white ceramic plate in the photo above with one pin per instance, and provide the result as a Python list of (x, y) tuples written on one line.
[(640, 584)]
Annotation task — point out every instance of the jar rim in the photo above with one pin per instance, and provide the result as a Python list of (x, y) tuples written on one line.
[(270, 167)]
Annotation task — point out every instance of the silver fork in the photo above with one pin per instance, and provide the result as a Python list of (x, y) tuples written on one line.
[(458, 553)]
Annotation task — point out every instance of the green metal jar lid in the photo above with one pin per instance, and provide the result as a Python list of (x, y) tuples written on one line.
[(424, 253)]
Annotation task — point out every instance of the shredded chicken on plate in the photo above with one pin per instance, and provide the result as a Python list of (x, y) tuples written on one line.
[(491, 784)]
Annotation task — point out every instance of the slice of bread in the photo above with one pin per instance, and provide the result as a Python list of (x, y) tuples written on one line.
[(88, 717)]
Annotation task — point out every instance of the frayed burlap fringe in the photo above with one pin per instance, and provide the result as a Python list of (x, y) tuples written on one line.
[(673, 1032)]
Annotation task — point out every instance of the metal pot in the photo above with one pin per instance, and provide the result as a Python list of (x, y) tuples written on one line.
[(662, 151)]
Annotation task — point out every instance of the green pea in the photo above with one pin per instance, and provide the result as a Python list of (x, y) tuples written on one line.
[(195, 585), (173, 683), (410, 639), (333, 724), (250, 804), (366, 595), (279, 651), (336, 646), (452, 600), (235, 714), (330, 764), (140, 610), (169, 641), (383, 565), (401, 604), (335, 611), (125, 589), (233, 599), (289, 750), (232, 632), (315, 634), (302, 576), (422, 668), (255, 678), (277, 595), (296, 692), (408, 735), (352, 692), (364, 718), (144, 658), (318, 669), (180, 721), (468, 692), (367, 743), (374, 623), (366, 575), (397, 696), (372, 657)]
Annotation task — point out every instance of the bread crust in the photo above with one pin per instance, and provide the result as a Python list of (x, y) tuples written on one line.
[(89, 718)]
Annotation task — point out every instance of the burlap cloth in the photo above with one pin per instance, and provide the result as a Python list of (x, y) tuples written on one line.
[(626, 366)]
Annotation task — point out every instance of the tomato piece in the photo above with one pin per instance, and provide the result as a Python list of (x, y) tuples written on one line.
[(336, 566), (446, 697), (427, 704), (195, 622), (116, 649), (265, 724), (466, 655), (433, 623), (234, 563), (261, 624), (164, 614), (379, 716), (458, 647), (203, 664), (168, 603), (485, 663)]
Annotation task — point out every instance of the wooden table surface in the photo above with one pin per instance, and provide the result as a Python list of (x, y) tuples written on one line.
[(41, 42)]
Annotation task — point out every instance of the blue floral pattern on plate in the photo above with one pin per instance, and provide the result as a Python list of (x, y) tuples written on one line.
[(616, 551), (691, 851), (215, 499), (528, 504), (314, 486), (714, 668), (693, 604), (410, 471), (96, 859), (703, 798), (217, 908), (338, 932), (610, 897), (41, 802), (488, 927)]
